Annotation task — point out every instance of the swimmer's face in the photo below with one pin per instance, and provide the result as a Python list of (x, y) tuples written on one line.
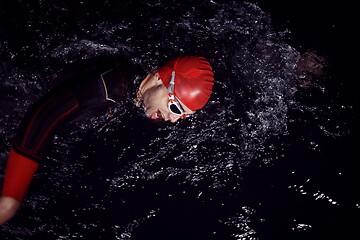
[(155, 100)]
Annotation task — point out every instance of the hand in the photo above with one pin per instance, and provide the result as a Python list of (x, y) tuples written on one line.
[(8, 208)]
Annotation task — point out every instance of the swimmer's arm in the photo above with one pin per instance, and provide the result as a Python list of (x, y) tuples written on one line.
[(8, 208)]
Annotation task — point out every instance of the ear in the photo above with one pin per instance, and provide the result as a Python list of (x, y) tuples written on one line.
[(157, 80), (157, 77), (151, 80)]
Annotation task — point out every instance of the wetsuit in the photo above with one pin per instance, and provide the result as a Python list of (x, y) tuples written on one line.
[(93, 93)]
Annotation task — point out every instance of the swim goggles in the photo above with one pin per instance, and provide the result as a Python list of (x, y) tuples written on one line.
[(174, 105)]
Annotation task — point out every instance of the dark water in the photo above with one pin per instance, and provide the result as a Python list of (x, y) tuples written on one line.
[(272, 156)]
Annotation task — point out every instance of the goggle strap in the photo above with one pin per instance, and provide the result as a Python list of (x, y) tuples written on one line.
[(172, 80), (172, 98), (171, 88)]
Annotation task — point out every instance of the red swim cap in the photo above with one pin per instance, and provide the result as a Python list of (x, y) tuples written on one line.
[(194, 79)]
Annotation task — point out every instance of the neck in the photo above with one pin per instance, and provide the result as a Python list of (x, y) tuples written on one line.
[(144, 85)]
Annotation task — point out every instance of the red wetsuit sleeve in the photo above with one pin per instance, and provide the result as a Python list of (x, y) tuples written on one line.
[(19, 172)]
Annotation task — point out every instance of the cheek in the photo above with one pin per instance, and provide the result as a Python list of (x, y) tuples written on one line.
[(156, 99), (163, 100)]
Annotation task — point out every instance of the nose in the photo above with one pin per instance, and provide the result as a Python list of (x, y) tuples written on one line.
[(172, 117)]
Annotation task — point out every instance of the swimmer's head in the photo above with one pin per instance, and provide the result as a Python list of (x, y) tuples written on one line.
[(179, 88)]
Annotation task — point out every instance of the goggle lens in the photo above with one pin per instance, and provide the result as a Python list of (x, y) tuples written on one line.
[(174, 109)]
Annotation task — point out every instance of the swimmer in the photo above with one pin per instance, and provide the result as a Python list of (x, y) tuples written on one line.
[(174, 91)]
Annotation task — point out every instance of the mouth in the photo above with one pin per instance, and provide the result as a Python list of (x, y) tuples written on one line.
[(158, 115)]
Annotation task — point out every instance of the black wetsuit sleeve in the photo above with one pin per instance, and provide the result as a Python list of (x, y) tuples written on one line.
[(79, 98), (41, 121), (76, 98)]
